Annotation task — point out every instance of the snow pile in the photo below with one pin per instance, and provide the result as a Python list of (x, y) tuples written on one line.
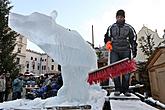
[(67, 48), (96, 100)]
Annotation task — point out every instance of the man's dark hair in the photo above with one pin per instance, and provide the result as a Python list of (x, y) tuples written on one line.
[(120, 13)]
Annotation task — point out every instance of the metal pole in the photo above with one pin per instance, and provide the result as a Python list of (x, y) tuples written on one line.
[(92, 37), (111, 83)]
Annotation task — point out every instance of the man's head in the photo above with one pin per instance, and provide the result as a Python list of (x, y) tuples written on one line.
[(120, 17), (120, 13)]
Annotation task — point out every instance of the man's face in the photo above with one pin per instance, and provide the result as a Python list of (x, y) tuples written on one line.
[(120, 18)]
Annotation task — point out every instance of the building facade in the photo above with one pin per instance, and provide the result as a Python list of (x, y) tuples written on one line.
[(20, 49), (31, 61), (40, 63)]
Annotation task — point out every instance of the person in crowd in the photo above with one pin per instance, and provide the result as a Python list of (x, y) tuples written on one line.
[(31, 81), (8, 86), (59, 80), (41, 81), (17, 86)]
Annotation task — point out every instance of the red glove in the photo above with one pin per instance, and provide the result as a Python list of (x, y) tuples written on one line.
[(109, 46)]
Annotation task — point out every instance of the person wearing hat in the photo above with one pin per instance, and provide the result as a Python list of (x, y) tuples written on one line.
[(122, 37)]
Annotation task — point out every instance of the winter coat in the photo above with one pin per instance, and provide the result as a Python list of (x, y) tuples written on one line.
[(17, 85), (123, 38)]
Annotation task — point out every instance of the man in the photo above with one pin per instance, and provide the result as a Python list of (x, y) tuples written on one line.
[(122, 37)]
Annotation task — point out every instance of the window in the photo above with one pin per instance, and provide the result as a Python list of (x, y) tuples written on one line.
[(31, 58), (27, 66), (42, 67), (35, 59), (17, 60), (45, 59), (52, 68), (52, 60), (19, 50), (33, 66), (45, 67), (38, 66), (59, 67)]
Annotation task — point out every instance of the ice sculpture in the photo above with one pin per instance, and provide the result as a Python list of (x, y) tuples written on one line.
[(65, 46)]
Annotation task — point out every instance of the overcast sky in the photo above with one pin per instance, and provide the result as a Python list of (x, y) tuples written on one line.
[(80, 15)]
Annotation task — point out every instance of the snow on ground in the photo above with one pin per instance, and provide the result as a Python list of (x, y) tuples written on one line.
[(96, 101)]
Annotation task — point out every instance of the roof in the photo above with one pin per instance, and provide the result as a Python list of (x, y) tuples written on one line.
[(28, 50), (155, 55)]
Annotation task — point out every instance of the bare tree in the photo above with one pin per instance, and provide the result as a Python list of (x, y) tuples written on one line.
[(147, 44)]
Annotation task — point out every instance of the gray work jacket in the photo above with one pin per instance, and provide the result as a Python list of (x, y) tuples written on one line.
[(123, 38)]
